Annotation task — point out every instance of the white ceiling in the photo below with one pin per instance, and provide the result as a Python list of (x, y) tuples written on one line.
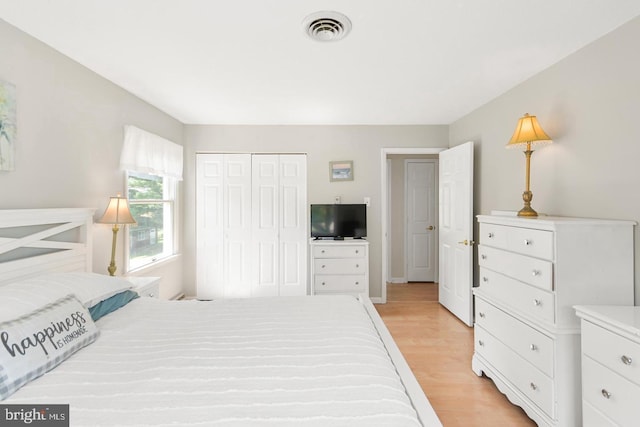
[(250, 62)]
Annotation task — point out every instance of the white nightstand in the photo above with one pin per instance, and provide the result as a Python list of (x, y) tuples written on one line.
[(145, 286)]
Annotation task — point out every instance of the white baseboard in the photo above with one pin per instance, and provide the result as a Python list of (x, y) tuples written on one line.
[(376, 300), (398, 280)]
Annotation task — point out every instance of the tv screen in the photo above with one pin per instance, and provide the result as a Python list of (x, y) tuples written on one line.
[(339, 221)]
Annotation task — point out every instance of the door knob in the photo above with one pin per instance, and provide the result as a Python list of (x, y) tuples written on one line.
[(466, 242), (431, 227)]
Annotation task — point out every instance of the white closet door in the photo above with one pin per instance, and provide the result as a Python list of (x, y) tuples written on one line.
[(237, 226), (279, 224), (266, 200), (293, 224), (209, 225), (251, 225)]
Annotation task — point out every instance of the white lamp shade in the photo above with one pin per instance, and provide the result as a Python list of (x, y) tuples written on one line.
[(117, 212)]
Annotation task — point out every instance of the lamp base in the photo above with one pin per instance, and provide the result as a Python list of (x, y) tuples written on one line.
[(527, 210), (112, 269), (112, 265)]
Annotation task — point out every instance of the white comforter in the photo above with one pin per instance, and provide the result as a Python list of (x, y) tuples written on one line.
[(306, 361)]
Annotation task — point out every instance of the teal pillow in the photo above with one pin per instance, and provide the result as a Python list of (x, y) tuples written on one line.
[(112, 304)]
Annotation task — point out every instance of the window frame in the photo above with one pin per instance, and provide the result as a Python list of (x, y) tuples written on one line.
[(170, 223)]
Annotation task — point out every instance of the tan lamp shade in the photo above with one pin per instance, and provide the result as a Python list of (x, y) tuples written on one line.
[(117, 212), (528, 130)]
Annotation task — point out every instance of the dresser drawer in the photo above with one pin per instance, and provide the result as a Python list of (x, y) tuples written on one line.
[(533, 271), (524, 298), (520, 373), (610, 393), (339, 266), (533, 346), (612, 350), (339, 251), (333, 283), (591, 417), (526, 241)]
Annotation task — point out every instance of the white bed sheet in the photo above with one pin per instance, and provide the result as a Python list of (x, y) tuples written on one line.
[(289, 361)]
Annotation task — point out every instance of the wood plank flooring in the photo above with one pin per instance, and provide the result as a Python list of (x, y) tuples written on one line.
[(438, 348)]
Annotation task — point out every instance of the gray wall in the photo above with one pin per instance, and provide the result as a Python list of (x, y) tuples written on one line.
[(589, 104), (70, 132), (362, 144)]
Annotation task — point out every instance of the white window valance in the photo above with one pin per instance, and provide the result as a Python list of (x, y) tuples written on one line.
[(149, 153)]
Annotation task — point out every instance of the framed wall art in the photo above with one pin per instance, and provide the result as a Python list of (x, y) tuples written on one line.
[(7, 126), (341, 170)]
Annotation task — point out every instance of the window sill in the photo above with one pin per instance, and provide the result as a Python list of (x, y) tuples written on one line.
[(152, 266)]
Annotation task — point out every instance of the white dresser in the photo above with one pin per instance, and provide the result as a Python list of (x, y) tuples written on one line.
[(340, 267), (610, 365), (532, 272)]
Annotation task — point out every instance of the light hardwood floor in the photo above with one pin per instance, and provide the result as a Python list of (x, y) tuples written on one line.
[(438, 348)]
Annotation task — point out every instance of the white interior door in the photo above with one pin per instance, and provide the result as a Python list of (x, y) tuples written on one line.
[(456, 231), (209, 225), (420, 178), (293, 225), (266, 201), (237, 226), (279, 224)]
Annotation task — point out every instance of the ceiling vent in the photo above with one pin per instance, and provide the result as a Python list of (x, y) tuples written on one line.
[(327, 26)]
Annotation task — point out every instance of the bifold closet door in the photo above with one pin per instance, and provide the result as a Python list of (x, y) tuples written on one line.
[(223, 225), (279, 230), (251, 225)]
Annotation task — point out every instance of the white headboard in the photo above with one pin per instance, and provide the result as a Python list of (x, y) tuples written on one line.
[(36, 241)]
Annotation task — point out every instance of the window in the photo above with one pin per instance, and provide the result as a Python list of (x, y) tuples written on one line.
[(154, 167), (152, 204)]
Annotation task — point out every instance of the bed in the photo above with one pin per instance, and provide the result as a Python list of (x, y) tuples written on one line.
[(288, 361)]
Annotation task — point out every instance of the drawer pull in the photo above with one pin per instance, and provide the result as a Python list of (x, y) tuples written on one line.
[(490, 235), (533, 386), (533, 347), (323, 283), (323, 265), (357, 251), (481, 343), (357, 283), (537, 302), (535, 272), (151, 294), (357, 265), (626, 360), (485, 279), (606, 394), (527, 242), (322, 251), (483, 256), (481, 314)]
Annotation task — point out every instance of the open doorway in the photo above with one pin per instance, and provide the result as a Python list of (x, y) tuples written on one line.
[(397, 234)]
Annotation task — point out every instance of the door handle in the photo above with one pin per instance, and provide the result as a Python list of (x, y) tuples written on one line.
[(466, 242), (431, 227)]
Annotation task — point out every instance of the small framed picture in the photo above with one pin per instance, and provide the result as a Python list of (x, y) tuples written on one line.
[(341, 170)]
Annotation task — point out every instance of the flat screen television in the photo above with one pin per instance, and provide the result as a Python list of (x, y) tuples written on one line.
[(338, 221)]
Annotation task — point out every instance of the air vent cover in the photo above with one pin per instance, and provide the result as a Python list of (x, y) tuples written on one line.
[(327, 26)]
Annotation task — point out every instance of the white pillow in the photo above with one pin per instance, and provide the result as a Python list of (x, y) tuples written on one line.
[(20, 298), (34, 344)]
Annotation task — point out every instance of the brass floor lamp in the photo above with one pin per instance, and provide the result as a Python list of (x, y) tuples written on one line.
[(528, 131), (116, 213)]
